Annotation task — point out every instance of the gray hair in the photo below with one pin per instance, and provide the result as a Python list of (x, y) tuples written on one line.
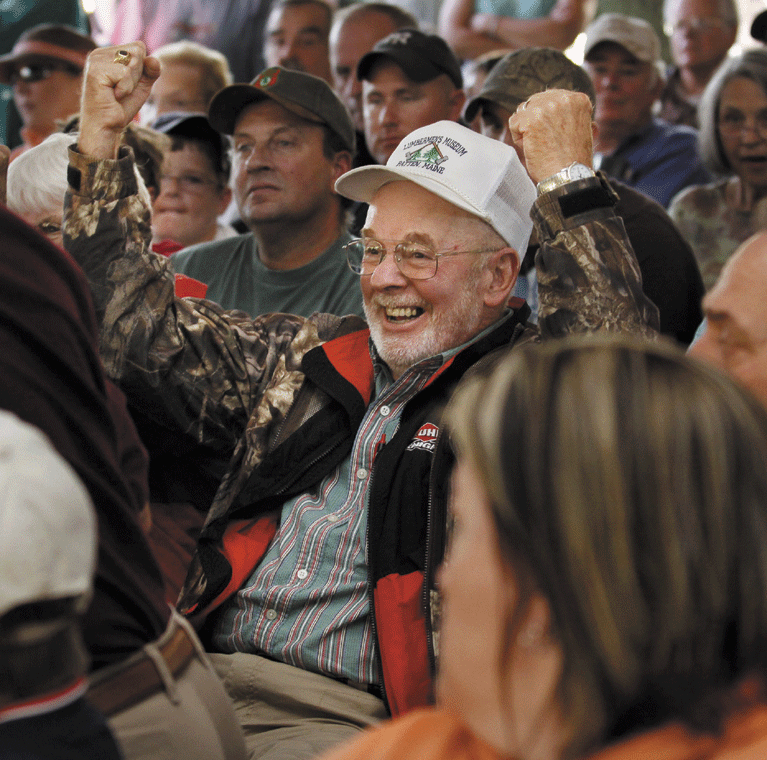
[(750, 65), (727, 10), (37, 179)]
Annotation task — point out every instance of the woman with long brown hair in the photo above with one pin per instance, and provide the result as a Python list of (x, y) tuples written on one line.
[(605, 590)]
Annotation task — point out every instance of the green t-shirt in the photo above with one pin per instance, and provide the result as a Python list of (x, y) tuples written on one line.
[(237, 279)]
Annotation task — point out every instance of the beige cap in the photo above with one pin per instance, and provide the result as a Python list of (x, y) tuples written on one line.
[(633, 34)]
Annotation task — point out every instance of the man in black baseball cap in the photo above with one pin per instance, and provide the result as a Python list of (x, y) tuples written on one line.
[(292, 138), (409, 79)]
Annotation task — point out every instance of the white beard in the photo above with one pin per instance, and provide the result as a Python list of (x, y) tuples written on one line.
[(445, 330)]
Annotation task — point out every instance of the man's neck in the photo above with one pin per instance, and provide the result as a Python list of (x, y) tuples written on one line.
[(290, 245)]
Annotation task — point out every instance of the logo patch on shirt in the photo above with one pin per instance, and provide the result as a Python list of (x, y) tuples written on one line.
[(424, 439)]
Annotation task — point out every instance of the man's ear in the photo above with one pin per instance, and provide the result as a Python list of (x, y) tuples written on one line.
[(503, 267), (342, 163), (457, 100), (224, 199)]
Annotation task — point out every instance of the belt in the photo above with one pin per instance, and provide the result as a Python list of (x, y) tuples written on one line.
[(139, 678)]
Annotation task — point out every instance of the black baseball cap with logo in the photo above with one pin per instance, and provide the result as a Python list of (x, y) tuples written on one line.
[(305, 95), (422, 57)]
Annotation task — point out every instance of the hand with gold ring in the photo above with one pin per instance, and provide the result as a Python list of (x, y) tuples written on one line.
[(116, 83)]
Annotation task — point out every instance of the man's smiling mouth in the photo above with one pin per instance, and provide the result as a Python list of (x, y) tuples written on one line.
[(403, 313)]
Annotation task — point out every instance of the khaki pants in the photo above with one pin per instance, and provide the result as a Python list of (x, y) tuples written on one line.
[(191, 718), (291, 714)]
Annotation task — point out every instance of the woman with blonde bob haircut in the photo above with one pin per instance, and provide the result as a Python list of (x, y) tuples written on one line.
[(605, 590)]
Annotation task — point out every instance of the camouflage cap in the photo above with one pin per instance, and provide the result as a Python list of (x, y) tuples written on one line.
[(308, 96), (522, 73)]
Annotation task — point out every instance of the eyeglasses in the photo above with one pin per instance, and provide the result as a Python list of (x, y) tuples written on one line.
[(732, 123), (37, 72), (695, 26), (415, 260), (187, 183)]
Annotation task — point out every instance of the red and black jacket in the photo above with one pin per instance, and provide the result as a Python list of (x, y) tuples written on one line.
[(406, 507)]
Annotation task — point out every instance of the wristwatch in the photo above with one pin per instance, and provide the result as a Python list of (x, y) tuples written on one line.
[(568, 174)]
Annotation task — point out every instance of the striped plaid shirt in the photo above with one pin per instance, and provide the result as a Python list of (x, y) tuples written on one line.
[(307, 603)]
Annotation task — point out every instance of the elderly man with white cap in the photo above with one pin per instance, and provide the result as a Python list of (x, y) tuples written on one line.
[(315, 569), (622, 57)]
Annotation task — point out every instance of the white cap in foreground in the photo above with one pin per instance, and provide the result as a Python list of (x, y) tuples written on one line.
[(47, 522)]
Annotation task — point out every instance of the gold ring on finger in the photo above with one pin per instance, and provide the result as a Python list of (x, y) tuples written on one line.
[(123, 57)]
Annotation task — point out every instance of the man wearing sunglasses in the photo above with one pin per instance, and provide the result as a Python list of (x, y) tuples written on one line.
[(45, 71), (316, 565)]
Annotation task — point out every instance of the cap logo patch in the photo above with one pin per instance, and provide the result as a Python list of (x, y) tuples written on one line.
[(425, 439), (427, 153), (398, 38), (268, 78)]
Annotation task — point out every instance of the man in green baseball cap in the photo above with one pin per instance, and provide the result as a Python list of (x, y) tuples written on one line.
[(292, 138)]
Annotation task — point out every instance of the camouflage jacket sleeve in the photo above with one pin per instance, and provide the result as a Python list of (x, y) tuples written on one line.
[(187, 363), (588, 275)]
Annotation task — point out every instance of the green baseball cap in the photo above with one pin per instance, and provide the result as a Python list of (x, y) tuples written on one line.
[(305, 95)]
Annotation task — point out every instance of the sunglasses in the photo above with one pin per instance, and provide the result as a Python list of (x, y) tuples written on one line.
[(39, 71)]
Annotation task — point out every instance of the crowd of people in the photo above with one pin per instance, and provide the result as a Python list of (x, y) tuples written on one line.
[(379, 382)]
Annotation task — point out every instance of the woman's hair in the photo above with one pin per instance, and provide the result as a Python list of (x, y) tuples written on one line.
[(628, 485), (750, 65), (37, 179)]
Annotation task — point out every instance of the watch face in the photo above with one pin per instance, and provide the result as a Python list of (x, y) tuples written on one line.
[(580, 171)]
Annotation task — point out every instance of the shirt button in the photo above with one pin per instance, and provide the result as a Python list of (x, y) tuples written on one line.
[(385, 411), (333, 518), (362, 473), (302, 574), (271, 614)]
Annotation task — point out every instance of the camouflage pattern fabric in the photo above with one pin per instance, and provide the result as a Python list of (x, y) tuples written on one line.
[(715, 220), (588, 276)]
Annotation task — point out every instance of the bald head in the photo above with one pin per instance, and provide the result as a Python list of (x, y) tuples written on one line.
[(736, 310), (351, 36)]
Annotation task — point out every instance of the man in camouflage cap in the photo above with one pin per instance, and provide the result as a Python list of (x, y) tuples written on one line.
[(670, 276)]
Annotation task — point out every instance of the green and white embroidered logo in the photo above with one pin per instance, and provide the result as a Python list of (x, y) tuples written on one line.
[(427, 154), (268, 78)]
